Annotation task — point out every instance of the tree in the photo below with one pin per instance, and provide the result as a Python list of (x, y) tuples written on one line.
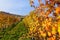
[(41, 24)]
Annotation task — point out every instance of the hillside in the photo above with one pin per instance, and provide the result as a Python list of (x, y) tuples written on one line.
[(12, 27), (7, 19), (13, 33)]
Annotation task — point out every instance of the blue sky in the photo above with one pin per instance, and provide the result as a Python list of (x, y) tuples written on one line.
[(19, 7)]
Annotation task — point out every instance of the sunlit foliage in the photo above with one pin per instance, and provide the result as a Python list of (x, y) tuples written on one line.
[(44, 22)]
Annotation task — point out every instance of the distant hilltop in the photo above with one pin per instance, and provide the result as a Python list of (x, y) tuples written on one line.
[(7, 13), (7, 19)]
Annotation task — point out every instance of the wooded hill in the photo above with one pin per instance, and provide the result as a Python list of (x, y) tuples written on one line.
[(8, 19)]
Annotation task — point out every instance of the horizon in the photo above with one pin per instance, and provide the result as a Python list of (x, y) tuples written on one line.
[(18, 7)]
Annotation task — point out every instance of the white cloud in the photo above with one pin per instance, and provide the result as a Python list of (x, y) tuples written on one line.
[(15, 6)]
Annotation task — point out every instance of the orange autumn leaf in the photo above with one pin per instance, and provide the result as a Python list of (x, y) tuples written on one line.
[(57, 10)]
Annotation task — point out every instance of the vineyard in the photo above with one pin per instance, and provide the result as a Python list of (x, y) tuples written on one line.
[(43, 23)]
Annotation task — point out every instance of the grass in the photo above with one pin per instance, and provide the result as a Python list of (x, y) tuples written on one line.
[(14, 32)]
